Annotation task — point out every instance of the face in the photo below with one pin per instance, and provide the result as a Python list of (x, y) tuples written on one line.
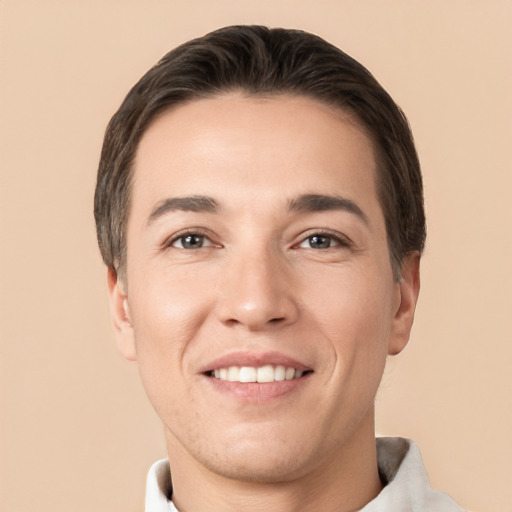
[(259, 299)]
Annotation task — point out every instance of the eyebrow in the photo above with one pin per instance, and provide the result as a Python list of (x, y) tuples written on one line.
[(310, 203), (306, 203), (185, 204)]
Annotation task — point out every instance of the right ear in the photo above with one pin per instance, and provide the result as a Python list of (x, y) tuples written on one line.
[(120, 314)]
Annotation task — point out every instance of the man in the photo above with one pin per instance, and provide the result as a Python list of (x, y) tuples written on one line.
[(259, 208)]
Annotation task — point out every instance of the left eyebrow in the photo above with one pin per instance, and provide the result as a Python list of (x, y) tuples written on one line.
[(184, 204), (310, 203)]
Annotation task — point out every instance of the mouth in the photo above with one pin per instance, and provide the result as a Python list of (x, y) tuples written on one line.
[(261, 374), (256, 375)]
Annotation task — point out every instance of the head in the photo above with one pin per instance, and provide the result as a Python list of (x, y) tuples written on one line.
[(258, 61), (259, 205)]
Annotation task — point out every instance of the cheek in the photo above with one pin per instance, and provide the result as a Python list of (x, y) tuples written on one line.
[(166, 316), (166, 308), (356, 317), (356, 302), (164, 324)]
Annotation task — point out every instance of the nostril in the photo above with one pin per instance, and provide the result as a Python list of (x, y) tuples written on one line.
[(275, 320), (232, 321), (249, 307)]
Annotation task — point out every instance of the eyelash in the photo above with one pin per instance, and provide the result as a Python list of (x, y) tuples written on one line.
[(189, 233), (338, 239)]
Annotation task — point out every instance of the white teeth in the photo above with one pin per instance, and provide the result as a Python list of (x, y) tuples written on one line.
[(267, 373), (279, 373), (233, 373), (248, 374)]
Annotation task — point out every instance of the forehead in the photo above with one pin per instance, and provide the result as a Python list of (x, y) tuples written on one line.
[(241, 147)]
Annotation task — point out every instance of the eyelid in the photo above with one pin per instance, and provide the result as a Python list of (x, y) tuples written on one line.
[(341, 239), (205, 233)]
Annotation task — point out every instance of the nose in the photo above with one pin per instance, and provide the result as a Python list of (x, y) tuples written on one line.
[(257, 293)]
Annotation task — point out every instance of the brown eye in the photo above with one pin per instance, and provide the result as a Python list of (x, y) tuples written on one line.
[(319, 241), (190, 241)]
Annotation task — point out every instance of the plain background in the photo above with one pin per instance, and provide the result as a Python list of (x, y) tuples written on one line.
[(77, 433)]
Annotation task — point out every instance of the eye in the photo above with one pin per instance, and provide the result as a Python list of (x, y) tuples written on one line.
[(323, 241), (191, 241)]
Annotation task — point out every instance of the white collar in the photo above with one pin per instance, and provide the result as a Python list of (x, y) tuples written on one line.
[(400, 465), (408, 488), (158, 487)]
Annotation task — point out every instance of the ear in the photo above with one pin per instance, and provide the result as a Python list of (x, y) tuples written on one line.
[(120, 314), (407, 293)]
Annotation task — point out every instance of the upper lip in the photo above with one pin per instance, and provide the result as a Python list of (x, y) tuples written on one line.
[(254, 359)]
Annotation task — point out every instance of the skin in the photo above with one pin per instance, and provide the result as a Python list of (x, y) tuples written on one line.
[(255, 283)]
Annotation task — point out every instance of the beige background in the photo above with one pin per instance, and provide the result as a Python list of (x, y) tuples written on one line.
[(76, 431)]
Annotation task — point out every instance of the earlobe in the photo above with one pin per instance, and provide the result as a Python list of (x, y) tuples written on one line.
[(407, 296), (121, 318)]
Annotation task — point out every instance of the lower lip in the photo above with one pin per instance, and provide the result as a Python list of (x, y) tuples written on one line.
[(258, 392)]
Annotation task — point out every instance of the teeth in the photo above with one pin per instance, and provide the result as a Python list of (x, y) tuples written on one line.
[(279, 373), (233, 373), (248, 374), (266, 373)]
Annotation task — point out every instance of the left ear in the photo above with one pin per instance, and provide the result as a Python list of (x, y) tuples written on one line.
[(121, 318), (407, 291)]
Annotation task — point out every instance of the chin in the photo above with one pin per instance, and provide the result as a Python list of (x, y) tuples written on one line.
[(259, 467)]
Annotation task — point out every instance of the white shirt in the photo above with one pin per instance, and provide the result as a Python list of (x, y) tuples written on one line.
[(400, 465)]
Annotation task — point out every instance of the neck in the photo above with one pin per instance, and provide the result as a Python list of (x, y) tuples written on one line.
[(344, 482)]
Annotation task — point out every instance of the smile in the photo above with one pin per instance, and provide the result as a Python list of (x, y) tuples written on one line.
[(267, 373)]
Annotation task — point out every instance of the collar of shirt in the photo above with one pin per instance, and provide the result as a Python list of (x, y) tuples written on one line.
[(401, 468)]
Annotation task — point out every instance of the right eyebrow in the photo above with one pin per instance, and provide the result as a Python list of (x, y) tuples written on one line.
[(321, 202), (186, 204)]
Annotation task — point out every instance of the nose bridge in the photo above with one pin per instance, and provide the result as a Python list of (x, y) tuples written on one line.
[(255, 291)]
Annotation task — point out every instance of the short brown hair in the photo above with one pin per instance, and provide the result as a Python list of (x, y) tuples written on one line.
[(258, 60)]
